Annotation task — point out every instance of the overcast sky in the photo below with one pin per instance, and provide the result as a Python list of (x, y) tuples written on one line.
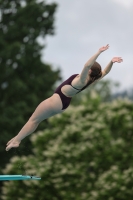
[(82, 27)]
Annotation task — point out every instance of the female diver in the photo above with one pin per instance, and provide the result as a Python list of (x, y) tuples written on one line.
[(60, 100)]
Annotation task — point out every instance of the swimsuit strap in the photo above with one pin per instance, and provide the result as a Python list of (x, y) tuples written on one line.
[(75, 88), (72, 80)]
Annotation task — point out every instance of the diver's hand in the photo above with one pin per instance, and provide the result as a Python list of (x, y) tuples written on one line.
[(13, 143), (104, 48), (117, 59)]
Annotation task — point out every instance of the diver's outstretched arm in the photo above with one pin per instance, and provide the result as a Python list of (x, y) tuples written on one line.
[(110, 64), (90, 62)]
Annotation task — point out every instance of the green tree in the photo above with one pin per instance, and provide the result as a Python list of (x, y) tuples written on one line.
[(87, 154), (24, 79)]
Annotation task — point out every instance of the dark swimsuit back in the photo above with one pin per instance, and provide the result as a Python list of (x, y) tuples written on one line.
[(66, 100)]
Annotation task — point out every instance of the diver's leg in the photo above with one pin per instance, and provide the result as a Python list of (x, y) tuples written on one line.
[(45, 109)]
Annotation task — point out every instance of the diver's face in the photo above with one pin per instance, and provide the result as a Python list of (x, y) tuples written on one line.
[(89, 71)]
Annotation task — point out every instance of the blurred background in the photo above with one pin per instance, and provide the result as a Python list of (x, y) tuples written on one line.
[(85, 153), (82, 27)]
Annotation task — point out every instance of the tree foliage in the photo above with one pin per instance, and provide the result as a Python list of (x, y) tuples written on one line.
[(86, 154), (24, 79)]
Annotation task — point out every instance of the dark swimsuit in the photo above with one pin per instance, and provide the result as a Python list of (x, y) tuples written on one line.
[(66, 100)]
